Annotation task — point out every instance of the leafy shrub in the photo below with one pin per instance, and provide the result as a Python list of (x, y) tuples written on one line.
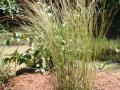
[(110, 4), (9, 7), (34, 59), (110, 55), (16, 38)]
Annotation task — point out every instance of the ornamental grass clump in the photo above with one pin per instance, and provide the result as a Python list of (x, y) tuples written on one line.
[(65, 33)]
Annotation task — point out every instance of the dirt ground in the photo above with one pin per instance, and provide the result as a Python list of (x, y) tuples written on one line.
[(103, 81), (107, 81), (29, 81), (7, 50)]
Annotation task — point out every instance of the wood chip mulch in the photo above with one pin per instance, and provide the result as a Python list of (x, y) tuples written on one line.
[(35, 81)]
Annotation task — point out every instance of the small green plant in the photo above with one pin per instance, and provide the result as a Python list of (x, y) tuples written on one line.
[(34, 59), (5, 72)]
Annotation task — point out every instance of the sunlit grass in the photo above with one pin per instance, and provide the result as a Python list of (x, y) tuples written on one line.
[(69, 42)]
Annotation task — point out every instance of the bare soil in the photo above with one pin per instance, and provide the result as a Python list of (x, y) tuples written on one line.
[(8, 50), (107, 81), (31, 81), (103, 81)]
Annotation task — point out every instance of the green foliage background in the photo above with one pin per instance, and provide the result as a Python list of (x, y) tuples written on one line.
[(9, 6)]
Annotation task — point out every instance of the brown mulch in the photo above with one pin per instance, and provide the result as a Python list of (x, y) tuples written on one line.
[(104, 81), (29, 81), (1, 88), (107, 81)]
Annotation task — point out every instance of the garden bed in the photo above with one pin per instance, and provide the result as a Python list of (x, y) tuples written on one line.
[(35, 81), (29, 81), (107, 81)]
